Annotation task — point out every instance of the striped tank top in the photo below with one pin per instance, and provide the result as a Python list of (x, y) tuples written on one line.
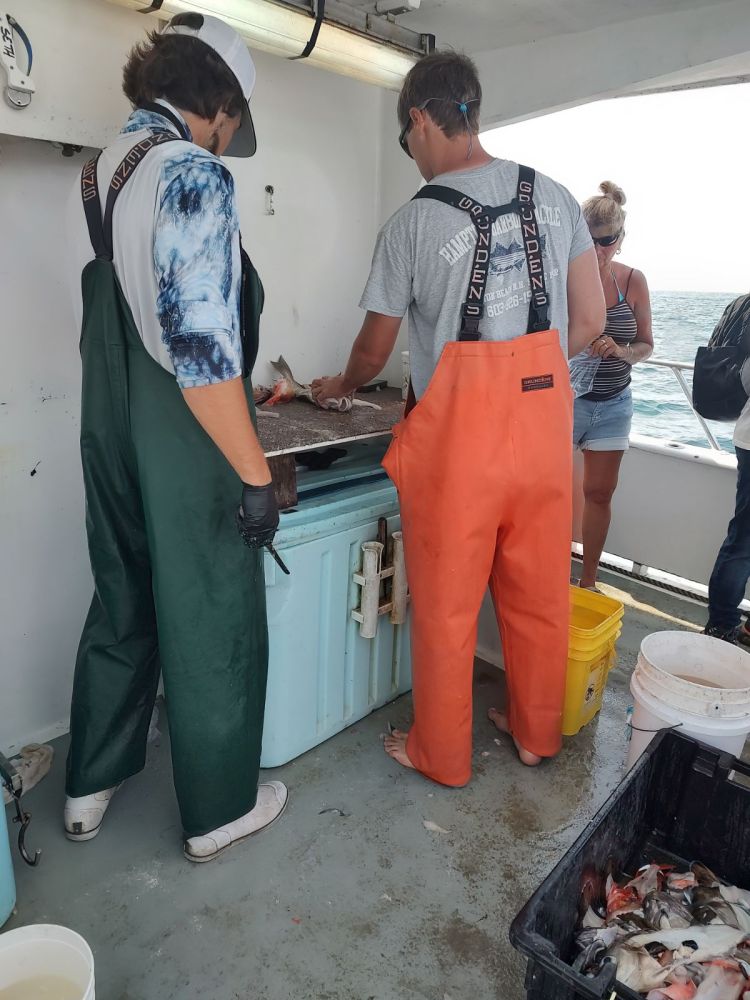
[(613, 374)]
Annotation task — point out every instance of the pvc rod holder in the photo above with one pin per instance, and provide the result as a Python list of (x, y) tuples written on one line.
[(399, 592), (372, 554)]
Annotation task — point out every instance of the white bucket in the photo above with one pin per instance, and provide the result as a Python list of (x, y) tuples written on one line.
[(694, 683), (44, 960)]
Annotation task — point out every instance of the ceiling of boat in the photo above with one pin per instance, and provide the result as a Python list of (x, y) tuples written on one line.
[(481, 25)]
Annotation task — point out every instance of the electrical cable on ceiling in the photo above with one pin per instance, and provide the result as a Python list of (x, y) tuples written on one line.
[(315, 32), (156, 6)]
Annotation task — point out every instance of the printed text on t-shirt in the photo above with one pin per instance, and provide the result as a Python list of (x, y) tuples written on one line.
[(464, 241)]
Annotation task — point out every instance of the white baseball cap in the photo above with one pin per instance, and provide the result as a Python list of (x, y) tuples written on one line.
[(227, 44)]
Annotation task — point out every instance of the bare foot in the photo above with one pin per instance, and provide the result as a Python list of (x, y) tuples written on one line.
[(395, 746), (500, 719)]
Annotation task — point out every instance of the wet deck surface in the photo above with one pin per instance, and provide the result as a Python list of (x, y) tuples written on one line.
[(369, 906)]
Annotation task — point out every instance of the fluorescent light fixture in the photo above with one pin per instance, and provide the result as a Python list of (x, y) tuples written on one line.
[(284, 31), (396, 7)]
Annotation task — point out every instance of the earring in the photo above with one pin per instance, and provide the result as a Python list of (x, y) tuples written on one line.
[(620, 250)]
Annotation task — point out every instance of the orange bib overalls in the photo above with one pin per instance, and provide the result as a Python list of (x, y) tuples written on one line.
[(482, 464)]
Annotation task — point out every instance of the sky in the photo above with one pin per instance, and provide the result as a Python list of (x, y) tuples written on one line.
[(683, 160)]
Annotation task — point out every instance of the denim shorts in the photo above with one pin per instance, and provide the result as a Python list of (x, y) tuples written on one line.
[(603, 425)]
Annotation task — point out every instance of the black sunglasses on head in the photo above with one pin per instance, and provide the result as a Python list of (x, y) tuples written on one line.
[(402, 139), (606, 241), (462, 105), (405, 130)]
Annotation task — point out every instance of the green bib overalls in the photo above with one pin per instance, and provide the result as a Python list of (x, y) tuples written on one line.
[(176, 590)]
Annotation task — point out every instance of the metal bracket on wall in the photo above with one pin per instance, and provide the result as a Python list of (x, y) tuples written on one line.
[(11, 780), (20, 87)]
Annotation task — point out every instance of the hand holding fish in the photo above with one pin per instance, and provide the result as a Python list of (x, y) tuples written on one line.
[(329, 387), (327, 393)]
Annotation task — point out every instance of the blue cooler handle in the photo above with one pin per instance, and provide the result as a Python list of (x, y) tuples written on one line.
[(11, 779)]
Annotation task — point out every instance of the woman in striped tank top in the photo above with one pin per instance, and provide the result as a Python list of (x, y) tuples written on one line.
[(603, 416)]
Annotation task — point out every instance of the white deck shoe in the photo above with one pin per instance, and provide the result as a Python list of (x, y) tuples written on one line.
[(271, 803), (84, 815)]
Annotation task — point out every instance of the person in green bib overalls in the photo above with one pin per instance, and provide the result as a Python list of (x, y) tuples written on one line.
[(169, 307)]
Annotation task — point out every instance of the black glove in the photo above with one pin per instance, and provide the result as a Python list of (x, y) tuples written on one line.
[(258, 515)]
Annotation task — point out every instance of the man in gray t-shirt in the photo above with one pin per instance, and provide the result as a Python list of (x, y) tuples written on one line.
[(483, 461), (424, 254)]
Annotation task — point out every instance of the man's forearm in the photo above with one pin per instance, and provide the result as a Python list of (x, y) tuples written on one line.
[(361, 369), (223, 413), (580, 338), (371, 350), (587, 311)]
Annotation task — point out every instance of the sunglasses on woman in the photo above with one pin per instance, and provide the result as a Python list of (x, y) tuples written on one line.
[(606, 241)]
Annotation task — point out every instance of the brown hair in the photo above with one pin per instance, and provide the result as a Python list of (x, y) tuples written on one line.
[(605, 210), (182, 70), (453, 79)]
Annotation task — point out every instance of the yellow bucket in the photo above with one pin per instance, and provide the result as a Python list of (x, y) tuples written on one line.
[(595, 626)]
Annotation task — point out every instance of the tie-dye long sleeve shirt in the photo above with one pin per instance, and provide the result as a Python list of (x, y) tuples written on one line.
[(196, 259)]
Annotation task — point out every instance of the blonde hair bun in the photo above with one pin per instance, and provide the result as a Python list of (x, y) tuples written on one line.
[(613, 191)]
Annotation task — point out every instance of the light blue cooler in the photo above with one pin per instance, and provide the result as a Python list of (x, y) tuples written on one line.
[(323, 675), (7, 882)]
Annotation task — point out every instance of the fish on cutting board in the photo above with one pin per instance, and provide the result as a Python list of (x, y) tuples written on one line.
[(286, 387)]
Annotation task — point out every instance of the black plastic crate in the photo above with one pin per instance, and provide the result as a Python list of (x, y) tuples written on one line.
[(682, 802)]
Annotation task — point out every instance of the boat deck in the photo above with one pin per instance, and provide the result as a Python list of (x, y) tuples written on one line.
[(367, 905)]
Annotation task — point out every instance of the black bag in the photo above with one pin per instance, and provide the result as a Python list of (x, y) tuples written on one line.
[(718, 392)]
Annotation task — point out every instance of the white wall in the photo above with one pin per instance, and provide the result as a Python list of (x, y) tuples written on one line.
[(77, 54), (398, 181), (318, 148), (319, 145), (44, 575)]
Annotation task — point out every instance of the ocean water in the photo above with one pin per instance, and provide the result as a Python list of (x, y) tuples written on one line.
[(682, 322)]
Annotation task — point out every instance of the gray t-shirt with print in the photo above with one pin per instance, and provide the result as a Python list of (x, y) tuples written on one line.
[(424, 253)]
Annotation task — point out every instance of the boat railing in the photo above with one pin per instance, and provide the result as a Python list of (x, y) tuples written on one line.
[(678, 368)]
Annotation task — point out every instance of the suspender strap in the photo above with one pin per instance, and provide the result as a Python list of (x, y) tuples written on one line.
[(483, 217), (100, 228), (532, 246), (92, 206), (450, 196)]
